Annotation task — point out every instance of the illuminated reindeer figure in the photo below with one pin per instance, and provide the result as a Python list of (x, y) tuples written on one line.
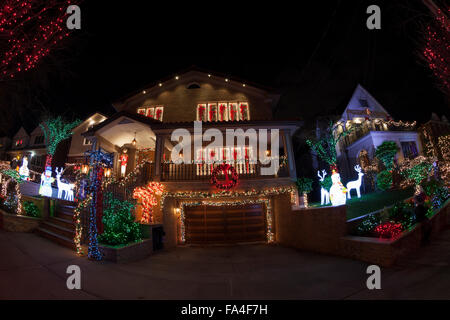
[(324, 193), (64, 187), (355, 184)]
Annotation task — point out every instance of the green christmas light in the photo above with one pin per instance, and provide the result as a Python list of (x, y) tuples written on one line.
[(56, 130), (386, 153)]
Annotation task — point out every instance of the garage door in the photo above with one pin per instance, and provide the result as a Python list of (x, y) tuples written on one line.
[(228, 224)]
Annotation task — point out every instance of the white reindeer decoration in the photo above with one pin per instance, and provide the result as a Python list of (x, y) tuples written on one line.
[(324, 193), (64, 187), (355, 184)]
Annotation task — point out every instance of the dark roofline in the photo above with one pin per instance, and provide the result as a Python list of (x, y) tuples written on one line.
[(198, 69), (134, 116)]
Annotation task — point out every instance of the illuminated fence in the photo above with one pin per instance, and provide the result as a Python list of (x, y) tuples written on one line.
[(202, 171)]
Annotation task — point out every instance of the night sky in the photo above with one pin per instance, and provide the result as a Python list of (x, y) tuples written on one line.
[(315, 55)]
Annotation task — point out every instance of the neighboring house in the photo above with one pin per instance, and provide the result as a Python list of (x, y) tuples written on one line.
[(374, 125), (139, 134), (33, 146), (79, 144), (5, 143), (431, 131)]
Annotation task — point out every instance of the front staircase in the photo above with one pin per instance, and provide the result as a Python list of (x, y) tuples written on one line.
[(60, 228)]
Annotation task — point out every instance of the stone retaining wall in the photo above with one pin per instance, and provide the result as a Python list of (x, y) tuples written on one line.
[(15, 223), (324, 230)]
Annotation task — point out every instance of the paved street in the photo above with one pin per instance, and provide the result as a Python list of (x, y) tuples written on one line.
[(34, 268)]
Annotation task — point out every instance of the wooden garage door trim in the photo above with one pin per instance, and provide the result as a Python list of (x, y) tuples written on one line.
[(232, 223)]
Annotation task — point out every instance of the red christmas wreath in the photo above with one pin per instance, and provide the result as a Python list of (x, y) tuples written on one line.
[(231, 177)]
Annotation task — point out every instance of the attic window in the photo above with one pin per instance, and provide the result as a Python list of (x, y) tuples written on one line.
[(363, 103), (193, 86)]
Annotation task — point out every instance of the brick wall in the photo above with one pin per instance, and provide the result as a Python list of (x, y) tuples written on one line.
[(315, 229)]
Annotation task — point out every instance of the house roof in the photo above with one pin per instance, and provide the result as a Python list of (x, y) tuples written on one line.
[(359, 97), (133, 116), (21, 133), (93, 114), (195, 70)]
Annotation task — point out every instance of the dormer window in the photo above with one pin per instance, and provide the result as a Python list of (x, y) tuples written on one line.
[(154, 112), (19, 143), (223, 111), (364, 104)]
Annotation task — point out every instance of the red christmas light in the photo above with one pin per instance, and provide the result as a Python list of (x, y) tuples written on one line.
[(436, 51), (147, 197), (31, 29), (388, 230)]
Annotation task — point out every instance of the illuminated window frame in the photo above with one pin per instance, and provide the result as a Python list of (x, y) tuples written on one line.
[(152, 111)]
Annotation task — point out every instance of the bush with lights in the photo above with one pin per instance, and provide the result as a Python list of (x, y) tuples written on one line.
[(386, 153), (403, 213), (31, 209), (119, 222), (384, 180), (304, 186)]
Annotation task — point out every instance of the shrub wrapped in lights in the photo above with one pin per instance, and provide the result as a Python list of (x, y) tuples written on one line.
[(119, 223), (304, 186), (388, 230), (384, 180), (31, 209)]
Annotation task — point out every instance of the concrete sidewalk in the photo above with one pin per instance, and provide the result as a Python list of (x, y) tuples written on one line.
[(34, 268)]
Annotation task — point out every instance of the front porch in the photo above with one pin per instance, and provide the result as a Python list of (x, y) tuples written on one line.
[(143, 147)]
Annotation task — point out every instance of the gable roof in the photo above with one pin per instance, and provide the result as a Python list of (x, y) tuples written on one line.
[(133, 116), (21, 133), (360, 101), (190, 75), (92, 115)]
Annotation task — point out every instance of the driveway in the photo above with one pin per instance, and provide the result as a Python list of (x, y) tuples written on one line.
[(34, 268)]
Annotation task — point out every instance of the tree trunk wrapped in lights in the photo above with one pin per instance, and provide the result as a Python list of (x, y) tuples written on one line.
[(56, 130)]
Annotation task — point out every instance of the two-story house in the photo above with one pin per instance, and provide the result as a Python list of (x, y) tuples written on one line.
[(194, 209), (33, 146), (372, 126)]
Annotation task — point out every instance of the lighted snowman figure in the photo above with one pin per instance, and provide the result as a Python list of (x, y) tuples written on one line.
[(337, 191), (46, 183), (23, 170)]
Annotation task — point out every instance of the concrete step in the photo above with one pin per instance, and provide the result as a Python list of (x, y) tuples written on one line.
[(61, 240), (62, 223), (68, 216), (67, 233), (65, 208)]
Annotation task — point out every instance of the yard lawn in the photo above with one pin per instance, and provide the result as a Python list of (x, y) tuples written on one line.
[(374, 201)]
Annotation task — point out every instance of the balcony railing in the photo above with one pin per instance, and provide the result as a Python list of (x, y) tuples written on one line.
[(203, 171)]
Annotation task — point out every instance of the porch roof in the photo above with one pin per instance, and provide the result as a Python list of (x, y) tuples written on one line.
[(134, 116)]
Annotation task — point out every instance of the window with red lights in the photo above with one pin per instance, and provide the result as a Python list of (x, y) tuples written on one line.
[(223, 111), (154, 112)]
